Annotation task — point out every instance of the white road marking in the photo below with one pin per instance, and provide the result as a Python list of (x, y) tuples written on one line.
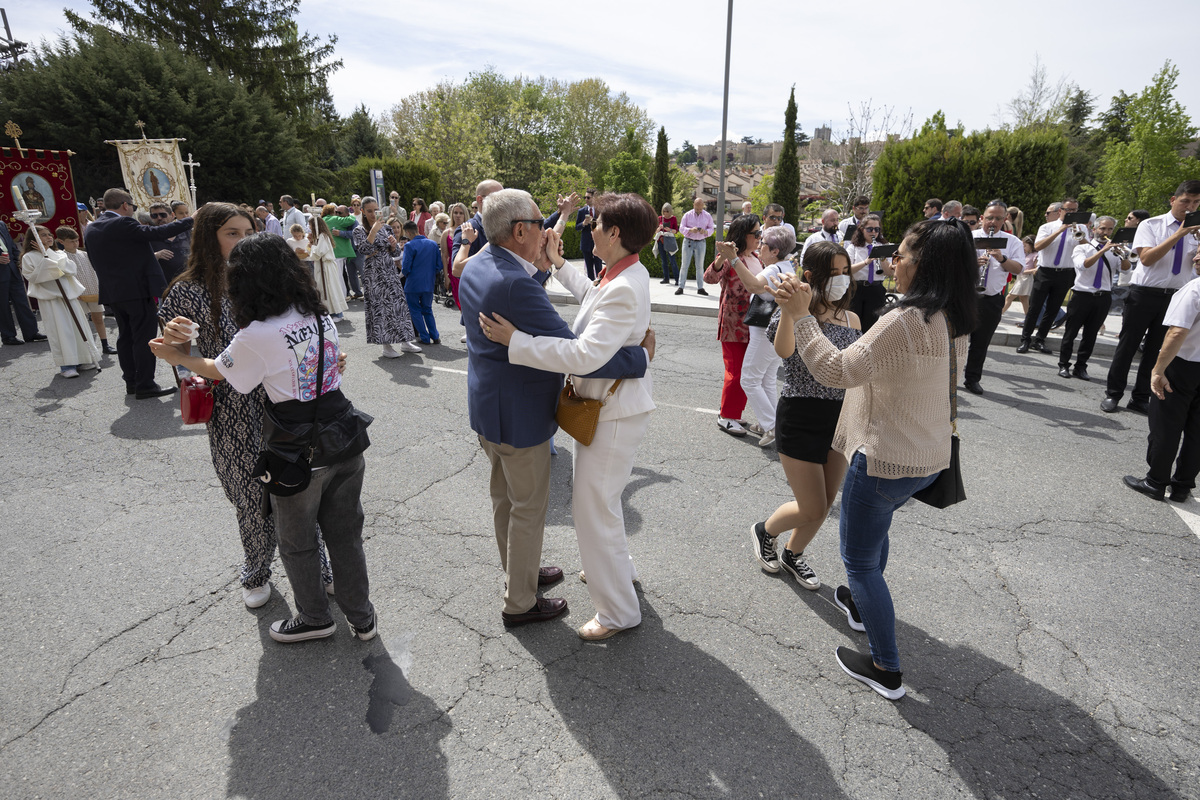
[(448, 369), (1190, 518), (687, 408)]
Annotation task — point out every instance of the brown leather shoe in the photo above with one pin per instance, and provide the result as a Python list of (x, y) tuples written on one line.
[(549, 575), (546, 609)]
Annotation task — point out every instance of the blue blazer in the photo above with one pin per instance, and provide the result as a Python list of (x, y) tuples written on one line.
[(420, 264), (507, 403), (13, 270), (120, 251)]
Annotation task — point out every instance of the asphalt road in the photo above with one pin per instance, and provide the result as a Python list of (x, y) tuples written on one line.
[(1047, 626)]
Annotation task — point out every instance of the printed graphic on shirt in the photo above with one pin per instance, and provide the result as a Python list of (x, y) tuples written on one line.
[(301, 336), (226, 359)]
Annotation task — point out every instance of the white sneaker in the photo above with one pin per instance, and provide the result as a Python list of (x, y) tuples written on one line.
[(730, 426), (86, 367), (409, 347), (256, 597), (463, 340), (69, 372), (390, 352), (767, 438)]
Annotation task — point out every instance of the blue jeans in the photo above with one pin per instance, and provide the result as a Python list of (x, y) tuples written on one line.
[(693, 249), (668, 263), (867, 507), (420, 304), (353, 267)]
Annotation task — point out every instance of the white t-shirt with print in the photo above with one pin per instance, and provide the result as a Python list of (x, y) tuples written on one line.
[(281, 354)]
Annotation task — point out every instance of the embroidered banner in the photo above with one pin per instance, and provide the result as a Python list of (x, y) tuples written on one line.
[(153, 170), (39, 179)]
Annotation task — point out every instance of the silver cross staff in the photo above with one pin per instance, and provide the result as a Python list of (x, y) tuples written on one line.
[(191, 165)]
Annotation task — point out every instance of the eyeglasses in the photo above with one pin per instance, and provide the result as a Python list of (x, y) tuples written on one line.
[(775, 217), (132, 205), (756, 233), (159, 215), (539, 221), (872, 230)]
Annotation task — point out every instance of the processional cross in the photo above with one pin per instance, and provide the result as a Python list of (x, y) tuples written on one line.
[(191, 165)]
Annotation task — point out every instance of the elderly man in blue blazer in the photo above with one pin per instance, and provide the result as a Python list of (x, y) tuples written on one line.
[(131, 281), (12, 293), (512, 407)]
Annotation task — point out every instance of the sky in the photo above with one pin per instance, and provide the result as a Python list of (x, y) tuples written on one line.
[(916, 58)]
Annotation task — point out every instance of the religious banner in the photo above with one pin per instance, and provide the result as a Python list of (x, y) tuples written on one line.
[(37, 180), (153, 170)]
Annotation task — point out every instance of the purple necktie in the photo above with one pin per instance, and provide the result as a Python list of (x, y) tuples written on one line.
[(870, 266), (1062, 242), (1103, 265), (1178, 265)]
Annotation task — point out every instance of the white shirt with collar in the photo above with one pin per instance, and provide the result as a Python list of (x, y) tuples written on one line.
[(858, 254), (1048, 254), (1085, 277), (997, 275), (1184, 312), (820, 236), (1162, 275)]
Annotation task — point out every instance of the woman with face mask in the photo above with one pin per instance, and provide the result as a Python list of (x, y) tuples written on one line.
[(807, 416)]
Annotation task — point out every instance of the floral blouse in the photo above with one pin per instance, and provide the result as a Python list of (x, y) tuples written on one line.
[(735, 298)]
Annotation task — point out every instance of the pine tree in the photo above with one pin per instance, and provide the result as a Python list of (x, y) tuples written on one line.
[(662, 189), (786, 191), (360, 137)]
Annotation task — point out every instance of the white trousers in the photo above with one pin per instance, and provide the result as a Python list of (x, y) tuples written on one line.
[(760, 369), (601, 471)]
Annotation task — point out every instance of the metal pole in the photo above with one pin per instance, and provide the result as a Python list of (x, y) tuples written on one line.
[(720, 232)]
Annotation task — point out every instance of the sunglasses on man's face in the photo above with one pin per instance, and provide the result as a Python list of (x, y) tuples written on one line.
[(159, 216)]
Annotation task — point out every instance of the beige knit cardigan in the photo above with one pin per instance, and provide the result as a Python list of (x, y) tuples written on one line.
[(897, 382)]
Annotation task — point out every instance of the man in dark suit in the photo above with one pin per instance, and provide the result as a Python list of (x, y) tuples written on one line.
[(12, 292), (131, 281), (585, 220), (512, 407)]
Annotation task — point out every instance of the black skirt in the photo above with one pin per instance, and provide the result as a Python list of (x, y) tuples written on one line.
[(804, 427)]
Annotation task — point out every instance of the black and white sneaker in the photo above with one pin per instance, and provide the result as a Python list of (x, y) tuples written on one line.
[(297, 630), (862, 668), (845, 602), (366, 633), (800, 569), (764, 547)]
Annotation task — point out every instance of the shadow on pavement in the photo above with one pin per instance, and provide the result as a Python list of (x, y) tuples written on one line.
[(1004, 735), (335, 718), (156, 418), (663, 718)]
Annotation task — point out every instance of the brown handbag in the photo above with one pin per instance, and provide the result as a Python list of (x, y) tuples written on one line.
[(579, 416)]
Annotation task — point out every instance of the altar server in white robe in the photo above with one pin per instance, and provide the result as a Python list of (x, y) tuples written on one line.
[(51, 275)]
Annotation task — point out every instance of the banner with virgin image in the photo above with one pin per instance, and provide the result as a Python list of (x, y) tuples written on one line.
[(37, 180), (153, 170)]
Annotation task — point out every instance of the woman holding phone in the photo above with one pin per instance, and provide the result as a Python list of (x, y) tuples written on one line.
[(868, 272)]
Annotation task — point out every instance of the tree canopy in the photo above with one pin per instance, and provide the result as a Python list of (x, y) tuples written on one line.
[(80, 91)]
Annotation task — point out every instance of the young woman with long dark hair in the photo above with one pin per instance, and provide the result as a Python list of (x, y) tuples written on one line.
[(276, 351)]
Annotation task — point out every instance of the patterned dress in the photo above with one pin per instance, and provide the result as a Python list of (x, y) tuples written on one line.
[(388, 319), (234, 432)]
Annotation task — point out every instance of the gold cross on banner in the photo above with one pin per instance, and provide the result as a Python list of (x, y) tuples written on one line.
[(142, 127), (12, 130)]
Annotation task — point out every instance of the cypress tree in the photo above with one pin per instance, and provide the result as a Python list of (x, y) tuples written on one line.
[(662, 189), (787, 170)]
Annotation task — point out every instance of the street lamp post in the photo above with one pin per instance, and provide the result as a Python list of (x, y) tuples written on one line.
[(720, 232)]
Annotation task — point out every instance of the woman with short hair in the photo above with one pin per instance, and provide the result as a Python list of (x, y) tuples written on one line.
[(613, 313), (668, 226), (895, 427)]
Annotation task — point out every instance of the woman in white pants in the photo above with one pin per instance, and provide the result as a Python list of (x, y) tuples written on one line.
[(760, 367), (613, 313)]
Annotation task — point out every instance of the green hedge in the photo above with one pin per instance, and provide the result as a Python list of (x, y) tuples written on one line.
[(648, 256)]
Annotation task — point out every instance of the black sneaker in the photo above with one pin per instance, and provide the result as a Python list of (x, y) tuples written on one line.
[(845, 602), (800, 569), (764, 547), (366, 633), (297, 630), (862, 668)]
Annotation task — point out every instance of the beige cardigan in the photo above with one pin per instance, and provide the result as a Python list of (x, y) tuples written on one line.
[(897, 377)]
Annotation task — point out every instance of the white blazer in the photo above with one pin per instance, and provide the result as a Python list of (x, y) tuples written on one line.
[(609, 318)]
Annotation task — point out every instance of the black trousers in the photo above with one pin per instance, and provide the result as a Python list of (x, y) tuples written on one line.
[(137, 324), (1050, 287), (12, 294), (1144, 312), (990, 308), (868, 299), (592, 263), (1174, 417), (1086, 311)]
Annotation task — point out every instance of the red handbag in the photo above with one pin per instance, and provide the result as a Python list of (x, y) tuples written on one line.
[(196, 399)]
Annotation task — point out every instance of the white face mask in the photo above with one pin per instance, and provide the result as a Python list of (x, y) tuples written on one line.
[(837, 286)]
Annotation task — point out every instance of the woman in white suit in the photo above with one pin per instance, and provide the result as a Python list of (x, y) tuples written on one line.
[(613, 313)]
